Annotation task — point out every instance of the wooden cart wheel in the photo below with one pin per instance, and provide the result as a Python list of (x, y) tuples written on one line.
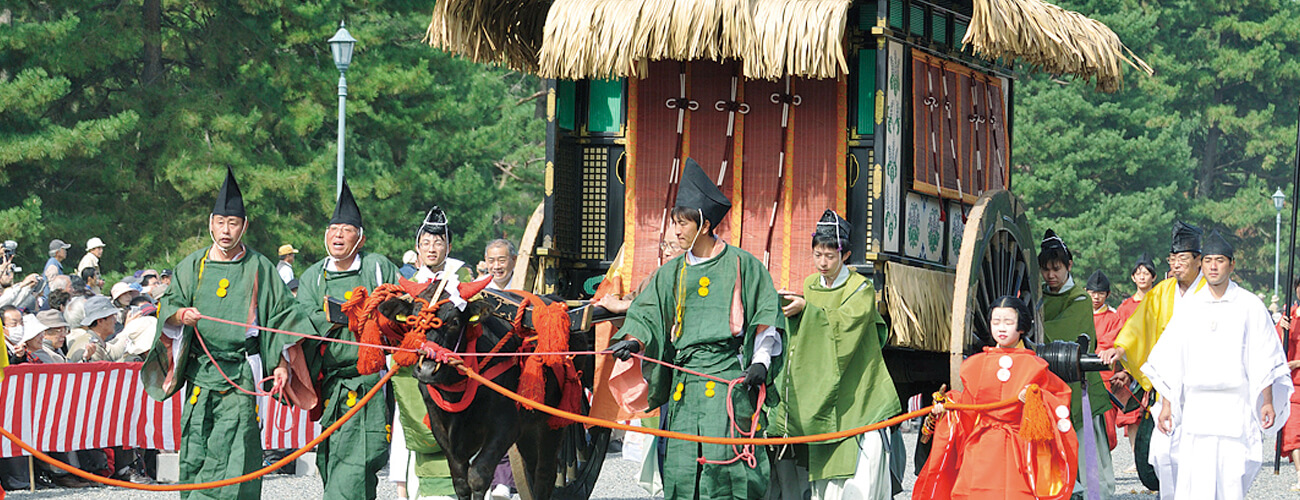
[(999, 256)]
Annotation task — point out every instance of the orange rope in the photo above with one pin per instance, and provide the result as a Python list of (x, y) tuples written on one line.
[(209, 485), (812, 438)]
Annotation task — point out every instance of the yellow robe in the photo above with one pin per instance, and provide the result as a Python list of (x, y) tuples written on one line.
[(1148, 321)]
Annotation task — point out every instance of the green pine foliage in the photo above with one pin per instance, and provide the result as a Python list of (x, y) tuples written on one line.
[(117, 120), (1207, 139)]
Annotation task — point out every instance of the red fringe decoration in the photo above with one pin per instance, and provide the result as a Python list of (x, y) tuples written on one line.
[(370, 359), (551, 321), (571, 399), (1035, 423), (413, 340)]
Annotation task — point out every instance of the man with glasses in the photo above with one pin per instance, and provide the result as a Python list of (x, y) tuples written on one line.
[(1140, 335), (349, 461)]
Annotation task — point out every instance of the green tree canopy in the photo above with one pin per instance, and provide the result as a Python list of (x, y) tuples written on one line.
[(1207, 139), (120, 118)]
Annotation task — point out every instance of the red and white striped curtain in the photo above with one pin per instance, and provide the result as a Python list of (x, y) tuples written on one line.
[(77, 406)]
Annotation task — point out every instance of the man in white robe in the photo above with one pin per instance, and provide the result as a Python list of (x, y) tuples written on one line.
[(1218, 371)]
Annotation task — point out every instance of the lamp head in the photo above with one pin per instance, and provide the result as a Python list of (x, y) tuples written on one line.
[(1279, 199), (341, 46)]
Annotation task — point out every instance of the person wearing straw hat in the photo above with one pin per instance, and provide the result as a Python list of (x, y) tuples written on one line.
[(94, 251), (350, 460), (1223, 382), (713, 310), (1067, 312), (230, 281), (836, 367), (284, 268)]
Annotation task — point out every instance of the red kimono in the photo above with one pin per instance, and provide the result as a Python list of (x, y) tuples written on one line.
[(980, 455), (1108, 322), (1291, 431), (1125, 310)]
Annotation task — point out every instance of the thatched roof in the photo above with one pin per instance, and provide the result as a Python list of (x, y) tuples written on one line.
[(505, 32), (577, 39), (1050, 39)]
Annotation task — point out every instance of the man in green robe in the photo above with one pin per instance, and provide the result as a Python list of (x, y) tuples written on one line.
[(432, 245), (835, 377), (712, 310), (219, 428), (350, 460), (1067, 312)]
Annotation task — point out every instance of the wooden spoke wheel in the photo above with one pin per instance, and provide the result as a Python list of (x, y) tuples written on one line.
[(999, 256)]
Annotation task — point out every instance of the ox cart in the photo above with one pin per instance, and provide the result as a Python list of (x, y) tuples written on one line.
[(884, 110)]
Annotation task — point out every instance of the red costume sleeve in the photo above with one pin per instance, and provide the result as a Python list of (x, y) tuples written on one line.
[(982, 455)]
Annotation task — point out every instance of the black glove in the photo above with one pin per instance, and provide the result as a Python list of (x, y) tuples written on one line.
[(624, 349), (755, 375)]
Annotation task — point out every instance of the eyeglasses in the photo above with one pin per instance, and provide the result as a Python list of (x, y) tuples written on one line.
[(1182, 257)]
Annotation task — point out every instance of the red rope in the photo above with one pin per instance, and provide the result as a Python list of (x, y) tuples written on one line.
[(199, 336)]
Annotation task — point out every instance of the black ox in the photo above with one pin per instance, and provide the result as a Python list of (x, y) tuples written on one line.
[(476, 438)]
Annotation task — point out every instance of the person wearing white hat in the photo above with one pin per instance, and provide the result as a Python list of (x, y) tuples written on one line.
[(94, 250), (33, 338)]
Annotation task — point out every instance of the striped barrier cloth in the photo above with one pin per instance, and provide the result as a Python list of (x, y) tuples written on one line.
[(77, 406)]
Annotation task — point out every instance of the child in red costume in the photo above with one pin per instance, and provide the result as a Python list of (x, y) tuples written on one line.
[(1020, 451)]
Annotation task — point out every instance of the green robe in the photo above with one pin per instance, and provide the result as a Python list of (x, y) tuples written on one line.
[(835, 377), (430, 462), (696, 405), (350, 460), (219, 430), (1066, 314)]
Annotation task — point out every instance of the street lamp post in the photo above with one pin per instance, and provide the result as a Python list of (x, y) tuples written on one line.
[(1279, 199), (341, 46)]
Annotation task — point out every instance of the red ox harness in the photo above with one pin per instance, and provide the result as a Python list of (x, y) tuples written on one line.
[(550, 333)]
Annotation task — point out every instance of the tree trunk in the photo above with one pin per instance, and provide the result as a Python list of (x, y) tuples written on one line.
[(152, 42), (1209, 168)]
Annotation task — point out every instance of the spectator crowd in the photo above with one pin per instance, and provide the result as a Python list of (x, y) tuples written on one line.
[(62, 314)]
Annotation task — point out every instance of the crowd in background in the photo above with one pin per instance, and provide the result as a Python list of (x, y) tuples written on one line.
[(66, 314)]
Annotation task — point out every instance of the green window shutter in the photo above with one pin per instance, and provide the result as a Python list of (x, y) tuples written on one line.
[(958, 33), (605, 106), (867, 91), (565, 102), (896, 14), (867, 16), (939, 27), (917, 26)]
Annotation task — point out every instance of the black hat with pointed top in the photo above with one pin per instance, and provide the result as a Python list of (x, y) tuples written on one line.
[(230, 201), (435, 222), (1053, 242), (832, 225), (1098, 282), (697, 191), (1186, 238), (1144, 260), (346, 210), (1216, 244)]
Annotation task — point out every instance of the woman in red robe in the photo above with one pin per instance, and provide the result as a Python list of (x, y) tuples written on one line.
[(998, 453), (1291, 430)]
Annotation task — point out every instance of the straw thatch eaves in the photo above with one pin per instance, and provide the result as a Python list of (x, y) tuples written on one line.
[(577, 39), (1050, 39)]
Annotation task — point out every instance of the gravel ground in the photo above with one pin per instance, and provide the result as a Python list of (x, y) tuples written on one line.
[(618, 482)]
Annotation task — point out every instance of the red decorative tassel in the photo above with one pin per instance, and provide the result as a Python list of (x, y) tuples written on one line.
[(1035, 423), (354, 308), (571, 400), (413, 340), (551, 321), (369, 359)]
